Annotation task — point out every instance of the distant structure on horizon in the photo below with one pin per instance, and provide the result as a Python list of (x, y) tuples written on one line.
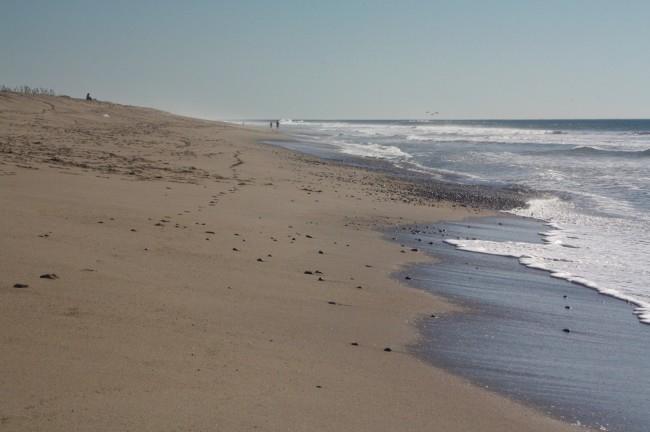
[(24, 89)]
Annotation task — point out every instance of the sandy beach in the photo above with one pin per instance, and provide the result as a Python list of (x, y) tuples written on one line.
[(165, 273)]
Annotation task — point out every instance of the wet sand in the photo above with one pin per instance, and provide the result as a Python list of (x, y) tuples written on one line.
[(561, 347), (166, 273)]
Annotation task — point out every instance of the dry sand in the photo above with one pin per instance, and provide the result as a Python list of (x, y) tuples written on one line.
[(181, 301)]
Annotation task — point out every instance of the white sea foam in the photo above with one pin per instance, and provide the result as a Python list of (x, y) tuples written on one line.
[(574, 249), (414, 132), (372, 150)]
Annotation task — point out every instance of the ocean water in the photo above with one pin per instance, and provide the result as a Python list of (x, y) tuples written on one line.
[(510, 336), (593, 177)]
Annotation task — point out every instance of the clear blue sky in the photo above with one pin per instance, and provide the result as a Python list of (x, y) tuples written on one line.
[(338, 59)]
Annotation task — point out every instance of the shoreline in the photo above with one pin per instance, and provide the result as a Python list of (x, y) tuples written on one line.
[(583, 215), (487, 197), (181, 297), (543, 341), (584, 415)]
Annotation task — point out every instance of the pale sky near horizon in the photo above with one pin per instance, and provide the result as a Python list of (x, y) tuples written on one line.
[(338, 59)]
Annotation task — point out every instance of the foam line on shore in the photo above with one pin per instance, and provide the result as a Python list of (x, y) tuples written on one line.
[(566, 253)]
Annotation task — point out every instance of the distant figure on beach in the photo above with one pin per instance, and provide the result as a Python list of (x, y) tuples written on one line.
[(277, 124), (88, 98), (271, 124)]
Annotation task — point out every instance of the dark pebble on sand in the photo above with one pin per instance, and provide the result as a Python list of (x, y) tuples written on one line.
[(260, 260), (387, 349), (414, 250), (308, 272), (235, 249), (407, 277), (331, 302), (209, 232), (567, 307), (354, 343), (566, 330), (320, 279), (21, 285), (320, 252), (49, 276)]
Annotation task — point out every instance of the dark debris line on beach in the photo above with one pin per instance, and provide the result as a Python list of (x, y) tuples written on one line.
[(488, 197), (410, 186)]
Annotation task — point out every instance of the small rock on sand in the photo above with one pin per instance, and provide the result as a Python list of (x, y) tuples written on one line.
[(49, 276), (21, 285)]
